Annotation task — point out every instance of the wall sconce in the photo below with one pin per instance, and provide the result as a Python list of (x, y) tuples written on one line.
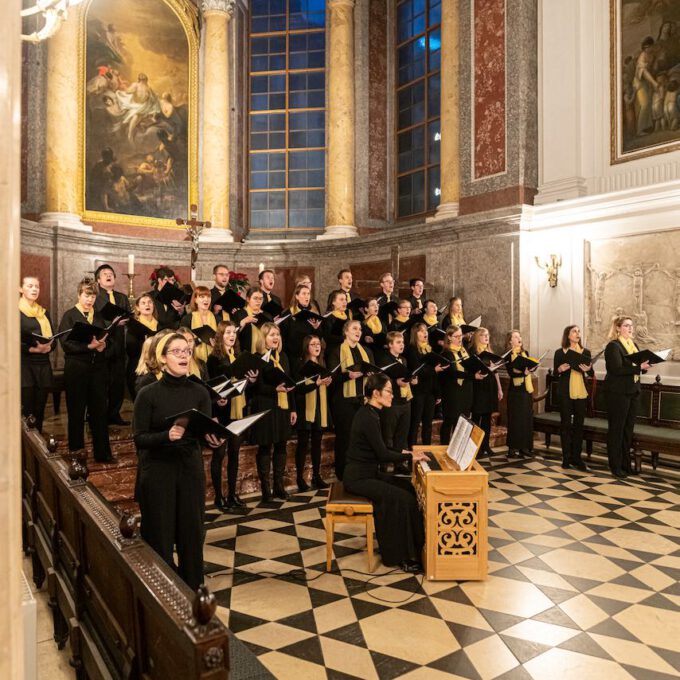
[(551, 267)]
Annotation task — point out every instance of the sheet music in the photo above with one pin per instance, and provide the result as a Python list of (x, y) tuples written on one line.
[(663, 354), (239, 426), (461, 435), (476, 322), (468, 454)]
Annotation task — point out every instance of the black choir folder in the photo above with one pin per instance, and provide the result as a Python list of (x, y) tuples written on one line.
[(110, 312), (230, 301), (34, 338), (640, 357), (199, 424)]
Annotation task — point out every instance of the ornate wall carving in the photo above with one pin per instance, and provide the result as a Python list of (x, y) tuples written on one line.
[(639, 276)]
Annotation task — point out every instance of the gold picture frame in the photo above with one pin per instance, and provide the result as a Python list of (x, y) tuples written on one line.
[(638, 118), (187, 14)]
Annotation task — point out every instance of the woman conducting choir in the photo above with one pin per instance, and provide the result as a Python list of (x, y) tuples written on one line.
[(85, 376), (145, 314), (272, 431), (455, 384), (171, 484), (398, 523), (622, 388), (347, 392), (573, 397), (36, 370), (313, 415), (486, 393), (223, 355), (520, 400), (426, 390)]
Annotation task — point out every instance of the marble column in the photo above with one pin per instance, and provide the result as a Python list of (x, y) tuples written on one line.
[(11, 628), (216, 117), (62, 204), (450, 120), (340, 122)]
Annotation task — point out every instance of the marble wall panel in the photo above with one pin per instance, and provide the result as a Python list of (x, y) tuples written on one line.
[(638, 276)]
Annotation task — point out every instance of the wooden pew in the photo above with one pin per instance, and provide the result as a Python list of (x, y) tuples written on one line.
[(127, 614)]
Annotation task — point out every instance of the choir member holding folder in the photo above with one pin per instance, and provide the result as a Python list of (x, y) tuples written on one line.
[(374, 328), (426, 390), (313, 410), (198, 318), (572, 363), (36, 344), (250, 318), (520, 368), (347, 390), (168, 298), (454, 316), (169, 445), (85, 373), (142, 325), (486, 393), (300, 321), (334, 320), (622, 386), (456, 383), (273, 391), (227, 409)]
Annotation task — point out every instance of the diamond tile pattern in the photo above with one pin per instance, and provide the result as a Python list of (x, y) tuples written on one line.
[(583, 583)]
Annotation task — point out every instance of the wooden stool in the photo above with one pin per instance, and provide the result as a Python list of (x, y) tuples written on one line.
[(343, 507)]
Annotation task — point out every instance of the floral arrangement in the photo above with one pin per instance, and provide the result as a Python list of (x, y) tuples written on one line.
[(153, 278), (238, 282)]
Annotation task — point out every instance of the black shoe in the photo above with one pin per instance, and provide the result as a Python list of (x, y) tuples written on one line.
[(107, 459), (234, 501), (526, 452), (411, 567), (302, 485), (280, 492), (620, 474), (221, 504), (513, 453), (266, 496), (581, 466), (318, 483), (566, 465), (117, 420)]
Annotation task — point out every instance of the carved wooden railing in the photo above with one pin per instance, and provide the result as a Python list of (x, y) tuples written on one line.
[(126, 613)]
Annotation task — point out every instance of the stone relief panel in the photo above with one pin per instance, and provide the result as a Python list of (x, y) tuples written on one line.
[(638, 276)]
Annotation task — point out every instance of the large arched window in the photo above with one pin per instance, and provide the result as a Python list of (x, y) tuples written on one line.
[(287, 118), (418, 47)]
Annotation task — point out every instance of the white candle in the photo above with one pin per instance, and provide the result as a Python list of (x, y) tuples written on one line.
[(261, 266), (131, 264)]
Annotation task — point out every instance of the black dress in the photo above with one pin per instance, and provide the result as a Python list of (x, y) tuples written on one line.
[(85, 382), (456, 390), (166, 314), (425, 394), (484, 403), (36, 372), (398, 522), (171, 478), (520, 413), (623, 396), (116, 355)]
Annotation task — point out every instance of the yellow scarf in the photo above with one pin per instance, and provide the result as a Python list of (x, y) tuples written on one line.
[(349, 388), (151, 324), (481, 348), (339, 315), (404, 392), (255, 332), (630, 348), (112, 298), (294, 309), (310, 406), (577, 386), (35, 311), (424, 348), (430, 319), (203, 350), (401, 319), (456, 319), (281, 397), (194, 368), (459, 355), (88, 315), (374, 324), (419, 303), (238, 403), (528, 384)]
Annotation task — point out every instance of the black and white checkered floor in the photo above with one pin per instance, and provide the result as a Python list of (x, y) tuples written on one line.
[(583, 582)]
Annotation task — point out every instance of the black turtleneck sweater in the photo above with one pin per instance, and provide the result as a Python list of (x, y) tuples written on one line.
[(160, 400)]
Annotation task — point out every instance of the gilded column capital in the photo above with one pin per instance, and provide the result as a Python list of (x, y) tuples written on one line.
[(337, 4), (218, 7)]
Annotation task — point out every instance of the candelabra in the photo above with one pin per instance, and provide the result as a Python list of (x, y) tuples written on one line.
[(131, 288)]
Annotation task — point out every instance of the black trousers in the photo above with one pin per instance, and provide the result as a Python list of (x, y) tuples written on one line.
[(85, 385), (343, 415), (116, 385), (422, 411), (172, 500), (230, 449), (484, 421), (263, 458), (621, 412), (303, 439), (395, 422), (36, 382), (520, 419), (398, 522), (572, 415)]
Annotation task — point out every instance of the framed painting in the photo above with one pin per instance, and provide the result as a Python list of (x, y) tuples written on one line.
[(138, 90), (645, 78)]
